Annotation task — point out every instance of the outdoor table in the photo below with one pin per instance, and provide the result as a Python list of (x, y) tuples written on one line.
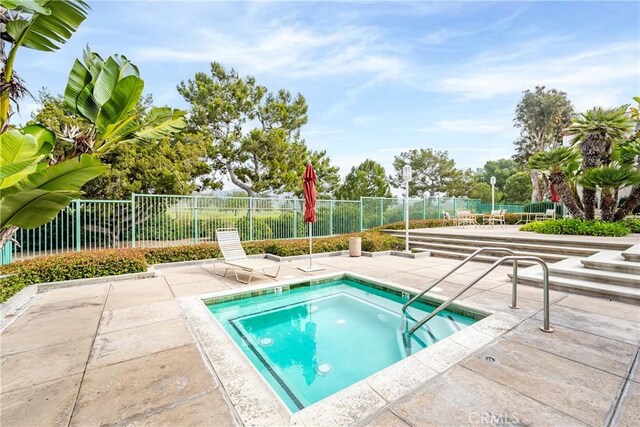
[(476, 217), (525, 217)]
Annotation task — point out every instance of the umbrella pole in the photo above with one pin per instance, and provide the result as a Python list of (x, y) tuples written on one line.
[(310, 247)]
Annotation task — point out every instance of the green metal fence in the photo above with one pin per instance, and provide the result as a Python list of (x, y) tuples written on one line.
[(159, 220)]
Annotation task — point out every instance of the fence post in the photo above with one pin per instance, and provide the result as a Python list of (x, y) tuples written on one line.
[(77, 207), (295, 218), (438, 206), (361, 214), (331, 217), (454, 206), (250, 218), (381, 211), (424, 207), (196, 231), (133, 220)]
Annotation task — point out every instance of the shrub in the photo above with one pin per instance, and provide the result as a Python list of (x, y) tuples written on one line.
[(77, 265), (417, 223), (633, 224), (578, 227), (88, 264)]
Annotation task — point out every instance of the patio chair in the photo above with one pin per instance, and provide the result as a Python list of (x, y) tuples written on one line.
[(465, 218), (496, 217), (548, 214), (235, 257)]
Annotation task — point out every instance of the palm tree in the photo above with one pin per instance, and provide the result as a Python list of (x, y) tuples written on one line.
[(609, 179), (595, 132), (561, 165)]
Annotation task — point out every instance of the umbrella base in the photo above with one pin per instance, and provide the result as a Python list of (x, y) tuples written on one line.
[(310, 268)]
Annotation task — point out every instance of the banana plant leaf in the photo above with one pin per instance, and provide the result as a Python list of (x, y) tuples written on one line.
[(33, 208)]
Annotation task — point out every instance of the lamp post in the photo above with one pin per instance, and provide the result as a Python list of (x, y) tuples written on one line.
[(406, 174), (493, 192)]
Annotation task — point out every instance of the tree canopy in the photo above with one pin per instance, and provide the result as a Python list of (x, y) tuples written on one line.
[(518, 187), (433, 173), (368, 179), (502, 169), (541, 115), (255, 133)]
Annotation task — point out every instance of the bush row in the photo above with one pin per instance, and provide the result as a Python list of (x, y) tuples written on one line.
[(88, 264), (583, 228)]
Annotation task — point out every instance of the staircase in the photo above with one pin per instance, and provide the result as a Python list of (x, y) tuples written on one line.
[(460, 243), (608, 274)]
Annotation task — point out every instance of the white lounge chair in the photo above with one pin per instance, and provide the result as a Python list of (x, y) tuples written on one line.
[(465, 218), (496, 217), (235, 257), (549, 214)]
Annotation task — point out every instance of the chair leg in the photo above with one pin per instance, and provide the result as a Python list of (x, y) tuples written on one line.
[(215, 270), (272, 276), (240, 280)]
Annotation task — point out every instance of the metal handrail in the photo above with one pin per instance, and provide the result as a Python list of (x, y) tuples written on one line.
[(450, 272), (545, 290)]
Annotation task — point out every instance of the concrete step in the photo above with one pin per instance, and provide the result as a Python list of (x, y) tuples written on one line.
[(632, 254), (467, 250), (612, 261), (458, 255), (573, 268), (515, 245), (533, 276), (594, 244)]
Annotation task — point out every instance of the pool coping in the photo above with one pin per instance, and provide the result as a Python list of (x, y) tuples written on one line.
[(256, 403)]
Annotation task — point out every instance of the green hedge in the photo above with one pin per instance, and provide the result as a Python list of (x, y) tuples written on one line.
[(88, 264), (579, 227)]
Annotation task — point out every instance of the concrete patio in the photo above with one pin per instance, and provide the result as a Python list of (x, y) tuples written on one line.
[(122, 353)]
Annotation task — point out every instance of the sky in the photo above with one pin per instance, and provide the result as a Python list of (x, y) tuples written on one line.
[(379, 77)]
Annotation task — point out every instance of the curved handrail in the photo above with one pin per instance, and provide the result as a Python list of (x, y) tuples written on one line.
[(466, 260), (545, 290)]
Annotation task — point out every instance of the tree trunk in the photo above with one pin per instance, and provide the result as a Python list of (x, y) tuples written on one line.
[(589, 203), (632, 202), (539, 187), (6, 235), (567, 196), (607, 205), (242, 185)]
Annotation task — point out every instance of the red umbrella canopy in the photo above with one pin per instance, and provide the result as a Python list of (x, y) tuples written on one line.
[(555, 198), (310, 195)]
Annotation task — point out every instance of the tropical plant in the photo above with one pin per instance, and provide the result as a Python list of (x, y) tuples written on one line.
[(609, 179), (561, 166), (31, 191), (541, 116), (595, 133), (36, 24), (106, 94)]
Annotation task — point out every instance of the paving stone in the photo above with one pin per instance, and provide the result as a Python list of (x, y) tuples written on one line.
[(209, 409), (141, 386), (593, 350), (345, 408), (135, 342), (44, 364), (602, 306), (46, 404), (447, 289), (462, 397), (44, 326), (139, 315), (385, 419), (197, 288), (575, 389), (400, 378), (408, 279), (529, 292), (72, 293), (500, 302), (442, 355), (182, 275), (629, 411), (135, 292), (597, 324), (254, 401)]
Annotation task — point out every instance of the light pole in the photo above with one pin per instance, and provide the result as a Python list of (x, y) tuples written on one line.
[(493, 192), (406, 174)]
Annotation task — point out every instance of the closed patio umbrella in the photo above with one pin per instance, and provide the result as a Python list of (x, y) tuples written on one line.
[(310, 197)]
